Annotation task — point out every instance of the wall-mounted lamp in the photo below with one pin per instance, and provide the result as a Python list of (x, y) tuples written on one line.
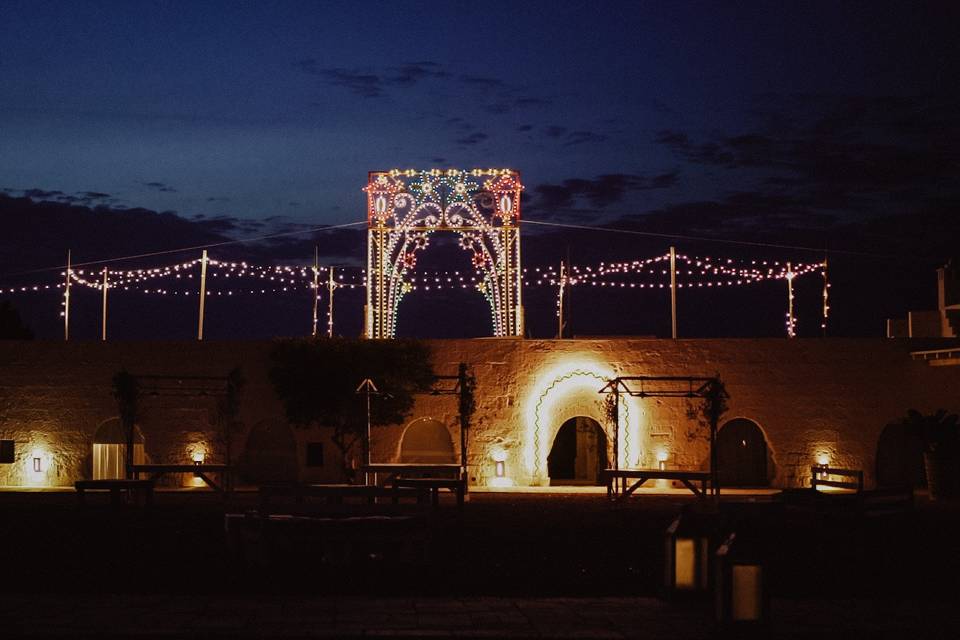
[(823, 461), (37, 465), (662, 456), (198, 456), (500, 479)]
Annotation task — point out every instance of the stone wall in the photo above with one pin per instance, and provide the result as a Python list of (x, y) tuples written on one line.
[(810, 397)]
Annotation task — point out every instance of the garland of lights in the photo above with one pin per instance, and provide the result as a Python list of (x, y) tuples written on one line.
[(405, 207), (537, 410)]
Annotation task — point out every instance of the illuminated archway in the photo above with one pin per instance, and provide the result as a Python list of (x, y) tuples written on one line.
[(404, 208), (569, 392), (579, 453), (110, 450)]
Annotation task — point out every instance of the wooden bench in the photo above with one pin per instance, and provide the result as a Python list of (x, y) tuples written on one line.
[(432, 486), (851, 498), (617, 479), (200, 470), (820, 476), (116, 488)]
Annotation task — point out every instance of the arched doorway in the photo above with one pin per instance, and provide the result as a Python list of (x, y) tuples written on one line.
[(742, 454), (270, 453), (110, 450), (427, 440), (579, 453), (900, 457)]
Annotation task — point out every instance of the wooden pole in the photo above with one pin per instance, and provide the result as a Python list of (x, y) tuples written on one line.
[(563, 283), (316, 288), (673, 292), (791, 331), (66, 301), (203, 292), (103, 323), (826, 299), (331, 285), (462, 386)]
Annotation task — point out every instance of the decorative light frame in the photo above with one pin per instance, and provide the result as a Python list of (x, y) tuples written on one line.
[(405, 207)]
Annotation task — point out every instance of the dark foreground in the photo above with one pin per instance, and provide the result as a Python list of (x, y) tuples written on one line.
[(507, 565)]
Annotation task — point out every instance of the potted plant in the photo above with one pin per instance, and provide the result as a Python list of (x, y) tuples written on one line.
[(940, 434)]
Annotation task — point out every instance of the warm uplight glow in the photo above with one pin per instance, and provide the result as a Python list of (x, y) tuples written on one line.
[(198, 456), (567, 390), (38, 465), (823, 459)]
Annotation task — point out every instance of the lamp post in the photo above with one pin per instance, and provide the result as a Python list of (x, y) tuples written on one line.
[(741, 596), (689, 542)]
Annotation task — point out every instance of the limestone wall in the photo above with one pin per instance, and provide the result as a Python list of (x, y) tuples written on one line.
[(810, 397)]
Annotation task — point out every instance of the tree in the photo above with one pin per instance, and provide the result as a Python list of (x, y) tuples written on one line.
[(126, 390), (709, 412), (317, 380), (228, 411), (11, 325)]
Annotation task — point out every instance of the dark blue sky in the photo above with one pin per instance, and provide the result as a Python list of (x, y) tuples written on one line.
[(279, 109), (775, 121)]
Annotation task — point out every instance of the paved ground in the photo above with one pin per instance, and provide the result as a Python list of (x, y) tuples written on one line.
[(486, 617)]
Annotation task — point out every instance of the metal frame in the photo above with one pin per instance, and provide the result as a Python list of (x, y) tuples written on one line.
[(671, 387), (404, 208)]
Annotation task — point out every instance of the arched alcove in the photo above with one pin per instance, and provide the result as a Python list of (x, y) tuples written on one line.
[(900, 457), (742, 454), (578, 454), (110, 450), (428, 441), (270, 453)]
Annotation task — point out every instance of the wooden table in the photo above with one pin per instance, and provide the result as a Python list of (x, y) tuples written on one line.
[(117, 487), (199, 470), (425, 477), (616, 480)]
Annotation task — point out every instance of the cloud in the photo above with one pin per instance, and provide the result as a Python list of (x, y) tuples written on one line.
[(410, 73), (484, 82), (474, 138), (497, 97), (554, 131), (367, 85), (852, 153), (599, 192), (159, 186), (531, 101), (41, 194), (581, 137)]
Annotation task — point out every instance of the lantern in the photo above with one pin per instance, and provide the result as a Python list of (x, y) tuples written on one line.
[(741, 593), (689, 541)]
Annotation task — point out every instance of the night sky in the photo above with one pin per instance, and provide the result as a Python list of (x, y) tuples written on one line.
[(132, 127)]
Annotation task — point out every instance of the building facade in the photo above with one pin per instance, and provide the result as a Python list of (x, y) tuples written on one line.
[(539, 418)]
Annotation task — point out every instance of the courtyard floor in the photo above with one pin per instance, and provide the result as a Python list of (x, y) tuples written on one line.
[(509, 564)]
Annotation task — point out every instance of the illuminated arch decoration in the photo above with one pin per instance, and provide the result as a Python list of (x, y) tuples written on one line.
[(550, 405), (404, 208)]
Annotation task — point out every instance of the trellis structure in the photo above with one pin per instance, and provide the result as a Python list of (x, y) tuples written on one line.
[(711, 390), (404, 208)]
